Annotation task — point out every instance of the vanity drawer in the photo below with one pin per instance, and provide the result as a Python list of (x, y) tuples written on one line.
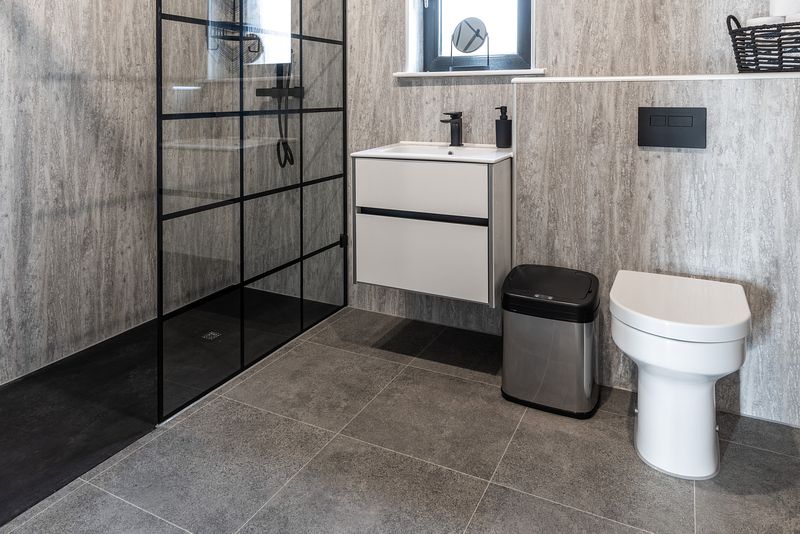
[(423, 186), (446, 259)]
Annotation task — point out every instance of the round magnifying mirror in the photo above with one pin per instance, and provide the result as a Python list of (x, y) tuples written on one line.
[(469, 35)]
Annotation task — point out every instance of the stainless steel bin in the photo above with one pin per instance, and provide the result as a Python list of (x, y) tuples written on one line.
[(550, 339)]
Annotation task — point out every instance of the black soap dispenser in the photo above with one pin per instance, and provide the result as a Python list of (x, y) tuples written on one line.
[(503, 128)]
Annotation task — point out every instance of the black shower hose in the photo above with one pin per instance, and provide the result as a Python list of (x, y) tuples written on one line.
[(284, 150)]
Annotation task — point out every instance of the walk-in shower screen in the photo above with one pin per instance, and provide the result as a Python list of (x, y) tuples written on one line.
[(251, 167)]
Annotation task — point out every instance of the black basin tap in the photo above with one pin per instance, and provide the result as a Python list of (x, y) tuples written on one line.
[(456, 127)]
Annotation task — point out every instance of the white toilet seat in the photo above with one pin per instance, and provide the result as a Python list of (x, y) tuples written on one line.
[(683, 334), (684, 309)]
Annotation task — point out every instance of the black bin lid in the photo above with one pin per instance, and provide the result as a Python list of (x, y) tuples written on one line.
[(552, 293)]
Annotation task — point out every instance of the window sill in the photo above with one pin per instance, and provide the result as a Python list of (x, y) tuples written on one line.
[(470, 73)]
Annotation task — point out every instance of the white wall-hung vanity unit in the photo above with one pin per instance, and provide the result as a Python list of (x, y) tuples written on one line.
[(433, 219)]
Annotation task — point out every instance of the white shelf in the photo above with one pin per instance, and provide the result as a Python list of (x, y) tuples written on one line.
[(470, 73), (677, 78)]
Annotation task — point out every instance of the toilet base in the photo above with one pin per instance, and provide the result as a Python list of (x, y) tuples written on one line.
[(676, 430), (676, 475)]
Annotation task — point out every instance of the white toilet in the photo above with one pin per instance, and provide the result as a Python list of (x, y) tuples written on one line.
[(684, 334)]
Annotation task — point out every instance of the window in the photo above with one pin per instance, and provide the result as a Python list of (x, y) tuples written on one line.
[(508, 25)]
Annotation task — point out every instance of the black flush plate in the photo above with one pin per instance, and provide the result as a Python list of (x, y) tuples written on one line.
[(673, 127)]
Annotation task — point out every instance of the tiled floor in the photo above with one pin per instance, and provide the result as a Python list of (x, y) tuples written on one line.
[(370, 423)]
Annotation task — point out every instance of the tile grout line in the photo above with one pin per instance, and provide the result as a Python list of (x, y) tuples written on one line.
[(285, 484), (265, 364), (347, 436), (694, 503), (796, 457), (284, 351), (165, 430), (409, 364), (387, 449), (451, 375), (137, 507), (46, 508), (325, 446), (569, 506), (489, 483), (134, 451), (276, 414)]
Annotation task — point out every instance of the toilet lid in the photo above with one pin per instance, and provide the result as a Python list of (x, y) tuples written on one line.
[(685, 309)]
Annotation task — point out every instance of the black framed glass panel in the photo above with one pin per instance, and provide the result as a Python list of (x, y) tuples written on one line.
[(200, 162), (272, 312), (251, 168), (322, 145), (201, 348), (200, 68), (323, 285), (272, 152), (323, 214), (272, 232), (200, 255)]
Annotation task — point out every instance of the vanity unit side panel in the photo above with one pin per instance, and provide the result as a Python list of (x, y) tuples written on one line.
[(501, 227)]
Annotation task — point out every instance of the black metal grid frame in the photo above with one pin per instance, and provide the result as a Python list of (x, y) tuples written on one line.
[(436, 60), (241, 199)]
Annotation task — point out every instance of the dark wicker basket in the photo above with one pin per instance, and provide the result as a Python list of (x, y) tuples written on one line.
[(769, 48)]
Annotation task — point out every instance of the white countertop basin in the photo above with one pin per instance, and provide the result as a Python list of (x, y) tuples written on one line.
[(487, 154)]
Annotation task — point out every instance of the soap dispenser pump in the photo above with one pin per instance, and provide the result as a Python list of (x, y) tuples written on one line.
[(503, 128)]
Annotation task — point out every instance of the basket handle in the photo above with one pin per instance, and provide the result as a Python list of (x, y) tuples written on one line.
[(731, 18)]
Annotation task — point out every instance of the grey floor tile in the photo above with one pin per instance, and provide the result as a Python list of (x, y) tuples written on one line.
[(90, 510), (354, 487), (278, 354), (39, 507), (212, 472), (257, 368), (449, 421), (505, 511), (317, 384), (189, 411), (617, 401), (382, 336), (316, 329), (758, 433), (470, 355), (755, 491), (592, 465), (124, 453)]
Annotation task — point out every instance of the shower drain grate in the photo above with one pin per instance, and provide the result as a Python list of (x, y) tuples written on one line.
[(211, 335)]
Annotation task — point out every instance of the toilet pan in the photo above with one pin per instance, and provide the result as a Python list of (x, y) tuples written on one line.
[(684, 335)]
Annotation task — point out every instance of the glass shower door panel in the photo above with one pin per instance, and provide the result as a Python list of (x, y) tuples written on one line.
[(200, 162), (200, 68), (322, 75), (323, 285), (269, 163), (323, 139), (272, 308)]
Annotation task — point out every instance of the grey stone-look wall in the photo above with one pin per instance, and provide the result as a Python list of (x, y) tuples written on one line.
[(574, 37), (589, 198), (77, 175)]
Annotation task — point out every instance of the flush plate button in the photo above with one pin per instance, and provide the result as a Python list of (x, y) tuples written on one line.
[(673, 127)]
